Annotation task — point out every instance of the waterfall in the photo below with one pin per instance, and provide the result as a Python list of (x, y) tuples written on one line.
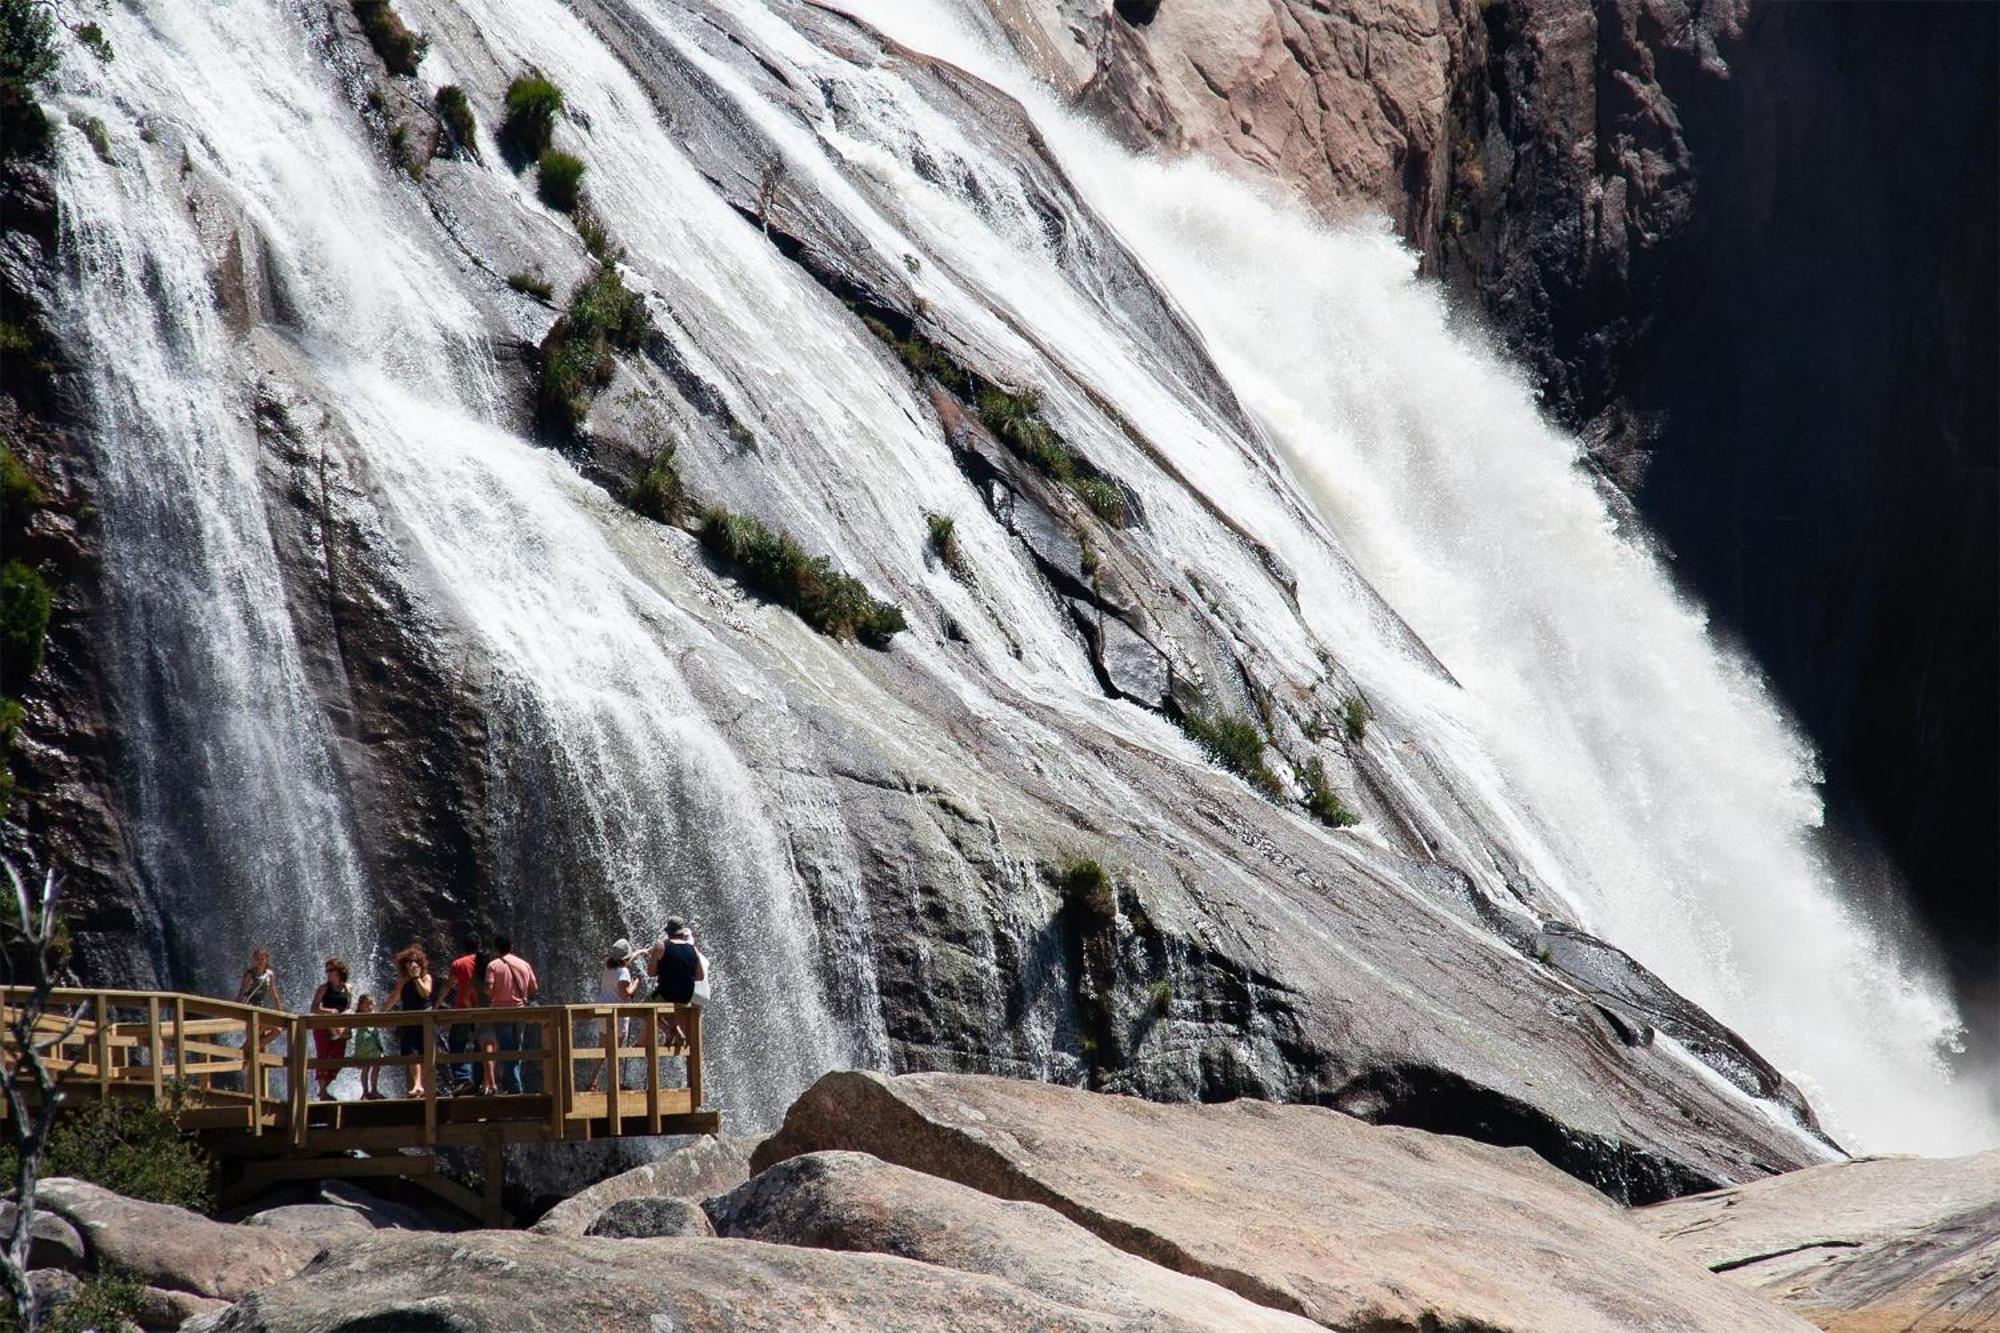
[(1673, 800), (652, 746)]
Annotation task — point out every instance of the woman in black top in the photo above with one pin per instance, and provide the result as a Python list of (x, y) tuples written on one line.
[(677, 966), (332, 997), (415, 990)]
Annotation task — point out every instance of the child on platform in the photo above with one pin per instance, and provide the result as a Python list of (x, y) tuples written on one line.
[(368, 1046)]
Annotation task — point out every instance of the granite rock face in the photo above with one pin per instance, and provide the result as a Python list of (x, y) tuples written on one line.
[(853, 1201), (706, 1166), (516, 1282), (171, 1248), (1296, 1208), (1903, 1243)]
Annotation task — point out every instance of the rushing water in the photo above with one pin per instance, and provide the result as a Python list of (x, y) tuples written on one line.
[(1637, 769), (1673, 800)]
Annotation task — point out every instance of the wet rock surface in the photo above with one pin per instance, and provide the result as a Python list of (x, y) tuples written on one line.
[(1901, 1243), (1296, 1208)]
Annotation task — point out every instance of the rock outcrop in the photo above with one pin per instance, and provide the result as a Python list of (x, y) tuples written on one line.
[(172, 1249), (853, 1201), (516, 1282), (1297, 1208), (645, 1218), (1903, 1243), (706, 1166)]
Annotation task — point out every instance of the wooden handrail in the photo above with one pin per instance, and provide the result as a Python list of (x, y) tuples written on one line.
[(170, 1044)]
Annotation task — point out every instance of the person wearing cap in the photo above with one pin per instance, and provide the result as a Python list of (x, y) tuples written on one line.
[(677, 966), (617, 986)]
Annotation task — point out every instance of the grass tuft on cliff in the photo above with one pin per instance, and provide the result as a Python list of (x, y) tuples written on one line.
[(1088, 894), (1234, 741), (777, 567), (401, 50), (1357, 715), (1321, 800), (559, 180), (604, 316), (454, 112), (532, 105), (659, 493)]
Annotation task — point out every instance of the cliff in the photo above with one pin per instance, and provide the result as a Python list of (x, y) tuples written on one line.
[(834, 528), (1746, 251)]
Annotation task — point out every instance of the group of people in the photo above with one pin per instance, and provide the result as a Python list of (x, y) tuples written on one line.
[(485, 978)]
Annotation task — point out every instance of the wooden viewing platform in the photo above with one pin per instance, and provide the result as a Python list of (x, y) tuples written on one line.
[(258, 1114)]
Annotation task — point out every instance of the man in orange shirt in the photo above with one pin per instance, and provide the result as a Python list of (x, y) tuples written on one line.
[(510, 984), (464, 995)]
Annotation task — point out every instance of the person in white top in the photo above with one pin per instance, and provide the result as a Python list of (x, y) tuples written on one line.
[(618, 985)]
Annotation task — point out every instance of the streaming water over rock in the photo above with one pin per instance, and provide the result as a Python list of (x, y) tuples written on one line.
[(394, 659)]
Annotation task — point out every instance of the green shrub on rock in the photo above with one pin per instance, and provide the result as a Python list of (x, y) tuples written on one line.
[(24, 623), (533, 103), (603, 316), (1357, 716), (559, 180), (1087, 892), (454, 112), (102, 1301), (529, 284), (777, 567), (135, 1148), (1325, 805), (659, 493), (401, 50), (1235, 742)]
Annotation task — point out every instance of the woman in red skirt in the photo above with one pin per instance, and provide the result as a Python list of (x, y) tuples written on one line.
[(331, 1043)]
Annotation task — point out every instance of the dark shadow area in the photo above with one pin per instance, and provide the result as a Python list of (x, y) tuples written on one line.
[(1823, 364)]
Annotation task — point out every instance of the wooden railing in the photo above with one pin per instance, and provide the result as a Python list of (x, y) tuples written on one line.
[(215, 1059)]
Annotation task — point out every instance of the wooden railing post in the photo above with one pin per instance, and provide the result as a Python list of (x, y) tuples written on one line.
[(612, 1081), (653, 1071), (694, 1058), (429, 1067), (180, 1039), (555, 1065), (103, 1044), (155, 1056), (298, 1096), (253, 1080)]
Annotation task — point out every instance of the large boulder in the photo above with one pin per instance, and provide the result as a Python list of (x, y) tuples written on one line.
[(324, 1223), (517, 1282), (52, 1241), (706, 1166), (173, 1249), (852, 1201), (1904, 1243), (1294, 1207), (645, 1218)]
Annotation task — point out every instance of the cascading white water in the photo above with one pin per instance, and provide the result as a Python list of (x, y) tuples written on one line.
[(579, 653), (1638, 769), (1672, 800)]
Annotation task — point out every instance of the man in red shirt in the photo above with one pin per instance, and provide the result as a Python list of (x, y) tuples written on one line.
[(464, 995), (510, 984)]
